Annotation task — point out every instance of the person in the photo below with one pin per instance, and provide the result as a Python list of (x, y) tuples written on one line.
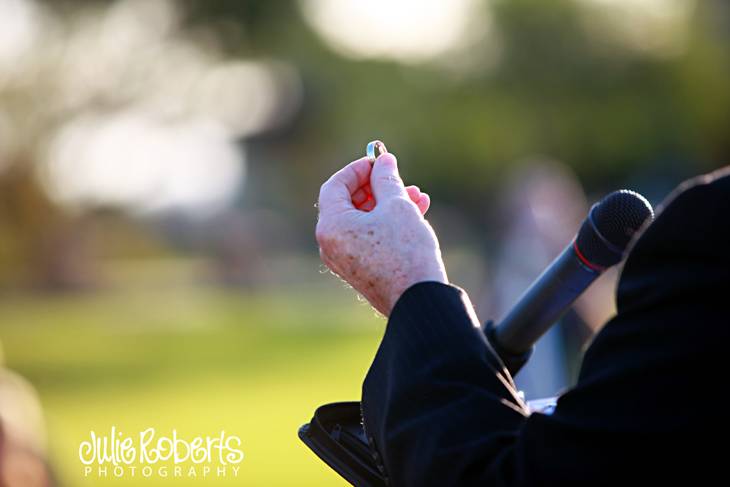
[(540, 206), (440, 409)]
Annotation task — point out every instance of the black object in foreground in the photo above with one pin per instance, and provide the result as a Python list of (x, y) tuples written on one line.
[(335, 433), (600, 243)]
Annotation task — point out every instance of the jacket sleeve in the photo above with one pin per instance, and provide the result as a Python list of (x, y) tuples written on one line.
[(437, 403), (440, 409)]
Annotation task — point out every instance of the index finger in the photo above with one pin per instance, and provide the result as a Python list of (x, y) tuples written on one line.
[(336, 193)]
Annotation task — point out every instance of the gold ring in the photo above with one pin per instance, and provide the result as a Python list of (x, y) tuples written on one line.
[(371, 149)]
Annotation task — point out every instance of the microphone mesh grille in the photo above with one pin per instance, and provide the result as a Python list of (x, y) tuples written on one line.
[(610, 226), (619, 215)]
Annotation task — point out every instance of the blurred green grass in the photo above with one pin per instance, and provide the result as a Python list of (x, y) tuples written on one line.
[(195, 360)]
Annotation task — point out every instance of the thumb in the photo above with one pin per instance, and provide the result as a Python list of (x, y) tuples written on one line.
[(385, 180)]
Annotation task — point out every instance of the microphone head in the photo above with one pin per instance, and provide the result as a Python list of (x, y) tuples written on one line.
[(611, 225)]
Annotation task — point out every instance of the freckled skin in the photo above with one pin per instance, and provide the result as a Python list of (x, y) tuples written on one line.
[(380, 251)]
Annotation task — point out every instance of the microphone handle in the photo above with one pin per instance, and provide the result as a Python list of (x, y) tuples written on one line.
[(543, 303)]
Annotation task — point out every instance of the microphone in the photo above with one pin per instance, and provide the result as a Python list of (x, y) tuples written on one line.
[(600, 243)]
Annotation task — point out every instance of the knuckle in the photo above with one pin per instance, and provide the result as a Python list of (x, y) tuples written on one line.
[(327, 235), (323, 188), (322, 233), (390, 179)]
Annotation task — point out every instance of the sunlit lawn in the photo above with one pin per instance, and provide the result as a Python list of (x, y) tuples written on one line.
[(195, 360)]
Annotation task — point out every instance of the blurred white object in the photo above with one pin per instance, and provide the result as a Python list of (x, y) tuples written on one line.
[(404, 30), (543, 406), (20, 413), (122, 105), (136, 162)]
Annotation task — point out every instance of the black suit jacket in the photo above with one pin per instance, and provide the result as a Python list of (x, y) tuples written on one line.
[(440, 409)]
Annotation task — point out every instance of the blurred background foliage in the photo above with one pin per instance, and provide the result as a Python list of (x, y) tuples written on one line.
[(172, 149), (622, 92)]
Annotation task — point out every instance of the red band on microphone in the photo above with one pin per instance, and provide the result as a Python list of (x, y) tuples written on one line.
[(585, 261)]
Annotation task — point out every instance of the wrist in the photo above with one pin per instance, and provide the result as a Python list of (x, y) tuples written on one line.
[(434, 274)]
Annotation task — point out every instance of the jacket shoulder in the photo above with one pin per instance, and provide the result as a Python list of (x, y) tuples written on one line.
[(687, 244)]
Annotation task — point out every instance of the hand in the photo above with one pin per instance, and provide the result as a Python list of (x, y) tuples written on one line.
[(372, 233)]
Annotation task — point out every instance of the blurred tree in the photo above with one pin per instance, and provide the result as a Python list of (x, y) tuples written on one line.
[(567, 79), (566, 84)]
